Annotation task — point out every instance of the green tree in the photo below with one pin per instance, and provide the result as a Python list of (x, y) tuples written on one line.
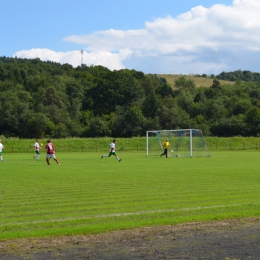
[(241, 106), (185, 84), (128, 122), (252, 118), (216, 85), (228, 127), (150, 104), (14, 109), (185, 100), (215, 109), (36, 126), (98, 128), (134, 121)]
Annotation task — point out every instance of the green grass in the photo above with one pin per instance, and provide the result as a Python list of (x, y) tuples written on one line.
[(90, 195)]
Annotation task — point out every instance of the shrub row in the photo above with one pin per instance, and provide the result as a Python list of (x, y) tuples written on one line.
[(16, 145)]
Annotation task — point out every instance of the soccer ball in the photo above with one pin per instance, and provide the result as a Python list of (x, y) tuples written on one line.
[(172, 151)]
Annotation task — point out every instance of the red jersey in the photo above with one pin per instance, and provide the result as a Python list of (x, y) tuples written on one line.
[(50, 148)]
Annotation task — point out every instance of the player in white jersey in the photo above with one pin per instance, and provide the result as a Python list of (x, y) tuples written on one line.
[(112, 151), (37, 150), (1, 149)]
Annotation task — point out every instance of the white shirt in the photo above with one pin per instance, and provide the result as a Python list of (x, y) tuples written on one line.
[(36, 146), (112, 147), (1, 147)]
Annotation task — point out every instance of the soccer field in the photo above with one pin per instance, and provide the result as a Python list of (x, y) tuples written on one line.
[(87, 194)]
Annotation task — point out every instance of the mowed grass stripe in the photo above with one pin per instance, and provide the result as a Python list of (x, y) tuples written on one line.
[(128, 214), (136, 192), (180, 197)]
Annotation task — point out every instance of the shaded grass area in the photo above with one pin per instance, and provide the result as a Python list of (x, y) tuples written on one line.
[(90, 195)]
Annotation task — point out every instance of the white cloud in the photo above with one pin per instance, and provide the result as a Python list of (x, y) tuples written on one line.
[(46, 54), (204, 39), (107, 59)]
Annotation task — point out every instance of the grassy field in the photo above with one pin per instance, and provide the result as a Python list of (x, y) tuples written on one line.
[(87, 194), (199, 81)]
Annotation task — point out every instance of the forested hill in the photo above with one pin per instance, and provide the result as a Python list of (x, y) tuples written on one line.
[(46, 99), (239, 75)]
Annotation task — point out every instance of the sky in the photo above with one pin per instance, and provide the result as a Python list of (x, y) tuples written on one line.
[(152, 36)]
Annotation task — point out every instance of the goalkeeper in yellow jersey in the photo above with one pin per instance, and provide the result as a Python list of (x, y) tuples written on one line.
[(165, 146)]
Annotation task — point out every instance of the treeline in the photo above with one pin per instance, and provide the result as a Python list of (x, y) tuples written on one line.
[(47, 99), (237, 75)]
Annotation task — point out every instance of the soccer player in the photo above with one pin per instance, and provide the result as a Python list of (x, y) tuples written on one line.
[(50, 149), (1, 149), (112, 151), (165, 145), (37, 150)]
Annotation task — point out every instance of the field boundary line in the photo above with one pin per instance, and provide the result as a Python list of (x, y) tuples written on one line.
[(145, 212)]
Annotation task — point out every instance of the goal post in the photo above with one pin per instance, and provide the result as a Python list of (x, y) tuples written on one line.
[(183, 143)]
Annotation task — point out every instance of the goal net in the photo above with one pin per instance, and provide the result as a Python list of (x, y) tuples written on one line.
[(183, 143)]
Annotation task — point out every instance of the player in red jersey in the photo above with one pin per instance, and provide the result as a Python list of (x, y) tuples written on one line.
[(50, 149)]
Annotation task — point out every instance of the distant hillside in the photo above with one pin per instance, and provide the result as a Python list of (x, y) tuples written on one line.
[(50, 100), (199, 81)]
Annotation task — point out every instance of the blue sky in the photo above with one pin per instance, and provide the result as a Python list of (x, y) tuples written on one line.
[(153, 36)]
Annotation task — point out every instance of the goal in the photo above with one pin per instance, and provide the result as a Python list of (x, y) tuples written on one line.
[(183, 143)]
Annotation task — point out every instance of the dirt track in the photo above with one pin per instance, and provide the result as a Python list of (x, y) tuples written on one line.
[(229, 239)]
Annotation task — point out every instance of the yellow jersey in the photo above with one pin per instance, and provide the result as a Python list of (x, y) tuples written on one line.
[(165, 145)]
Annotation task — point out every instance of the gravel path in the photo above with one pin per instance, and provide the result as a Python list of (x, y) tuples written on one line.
[(229, 239)]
